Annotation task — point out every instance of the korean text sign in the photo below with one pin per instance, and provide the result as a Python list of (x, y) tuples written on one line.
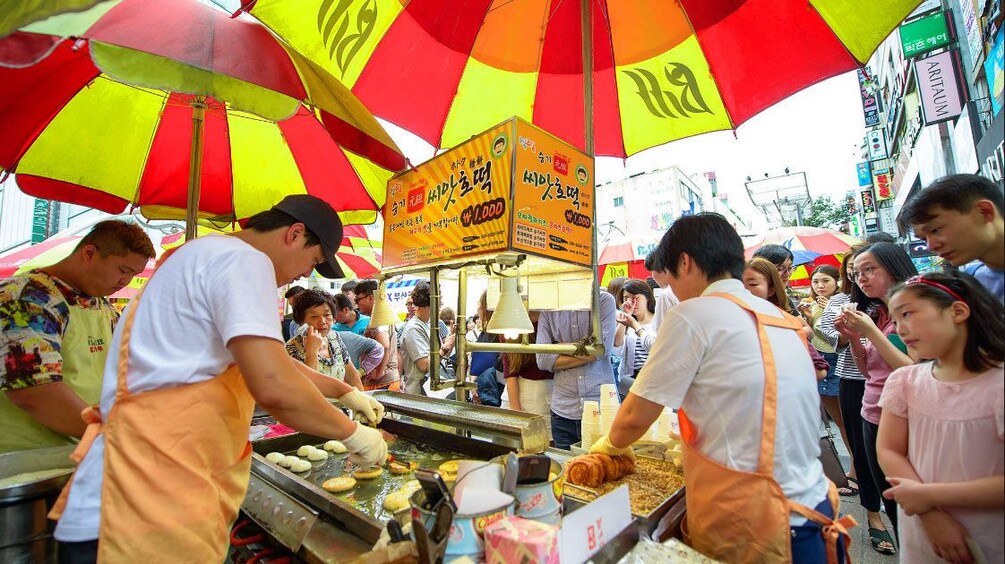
[(511, 187)]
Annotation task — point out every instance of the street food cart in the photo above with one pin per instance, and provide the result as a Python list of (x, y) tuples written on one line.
[(516, 207)]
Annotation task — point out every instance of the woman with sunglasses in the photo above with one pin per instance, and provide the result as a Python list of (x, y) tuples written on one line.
[(874, 345)]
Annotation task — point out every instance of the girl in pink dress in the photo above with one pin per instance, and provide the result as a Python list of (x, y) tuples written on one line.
[(941, 433)]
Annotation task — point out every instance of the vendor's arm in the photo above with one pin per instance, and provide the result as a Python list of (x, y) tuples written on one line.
[(31, 334), (54, 405), (288, 390), (634, 418)]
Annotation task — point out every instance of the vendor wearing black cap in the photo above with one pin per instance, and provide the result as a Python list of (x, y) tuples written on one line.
[(189, 360)]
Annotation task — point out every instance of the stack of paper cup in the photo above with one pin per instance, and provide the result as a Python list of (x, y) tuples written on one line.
[(590, 424), (669, 426), (609, 395)]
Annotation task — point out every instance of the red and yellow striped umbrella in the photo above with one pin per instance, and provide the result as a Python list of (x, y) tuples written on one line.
[(661, 70), (172, 105), (359, 256)]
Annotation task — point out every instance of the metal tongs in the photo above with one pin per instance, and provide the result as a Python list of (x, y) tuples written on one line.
[(432, 544)]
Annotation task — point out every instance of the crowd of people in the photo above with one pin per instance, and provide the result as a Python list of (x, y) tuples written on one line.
[(909, 368)]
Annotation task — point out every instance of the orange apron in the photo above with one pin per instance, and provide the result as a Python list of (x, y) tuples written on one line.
[(737, 516), (176, 466)]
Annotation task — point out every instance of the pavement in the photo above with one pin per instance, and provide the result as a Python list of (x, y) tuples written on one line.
[(861, 549)]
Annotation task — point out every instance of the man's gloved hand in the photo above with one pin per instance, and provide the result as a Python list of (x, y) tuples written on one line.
[(369, 408), (366, 446), (605, 446)]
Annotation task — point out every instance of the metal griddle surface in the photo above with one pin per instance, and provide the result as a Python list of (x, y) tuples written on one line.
[(368, 495)]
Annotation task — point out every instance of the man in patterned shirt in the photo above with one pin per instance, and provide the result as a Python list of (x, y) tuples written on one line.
[(55, 327)]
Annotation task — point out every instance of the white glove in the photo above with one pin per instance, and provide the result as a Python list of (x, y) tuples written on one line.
[(364, 405), (366, 446)]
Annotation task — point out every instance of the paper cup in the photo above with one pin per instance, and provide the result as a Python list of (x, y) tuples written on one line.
[(591, 411), (609, 395)]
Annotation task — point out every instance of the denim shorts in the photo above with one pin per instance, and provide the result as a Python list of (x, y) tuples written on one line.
[(829, 385)]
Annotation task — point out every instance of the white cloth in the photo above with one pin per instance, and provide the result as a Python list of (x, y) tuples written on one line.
[(626, 370), (535, 397), (707, 359), (210, 291), (666, 301)]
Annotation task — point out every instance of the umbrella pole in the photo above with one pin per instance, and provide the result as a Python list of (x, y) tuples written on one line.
[(195, 168), (586, 23)]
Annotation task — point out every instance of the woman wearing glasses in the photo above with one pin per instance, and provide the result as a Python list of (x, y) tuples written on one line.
[(873, 342)]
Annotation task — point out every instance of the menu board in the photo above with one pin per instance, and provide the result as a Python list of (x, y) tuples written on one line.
[(468, 201), (553, 197)]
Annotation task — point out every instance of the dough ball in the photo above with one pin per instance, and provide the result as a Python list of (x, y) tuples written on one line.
[(317, 454), (305, 450), (300, 466), (336, 447), (368, 473), (275, 457), (398, 468), (287, 461), (396, 501), (449, 468), (339, 484)]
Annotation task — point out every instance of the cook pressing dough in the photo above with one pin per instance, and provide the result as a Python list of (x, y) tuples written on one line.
[(317, 454), (339, 484), (275, 457), (368, 474), (287, 461), (300, 466), (336, 447)]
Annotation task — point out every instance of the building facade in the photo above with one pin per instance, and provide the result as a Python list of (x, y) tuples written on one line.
[(642, 207), (932, 100), (25, 220)]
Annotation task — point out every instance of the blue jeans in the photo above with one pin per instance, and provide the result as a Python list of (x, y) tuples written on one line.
[(489, 389), (808, 545), (565, 432)]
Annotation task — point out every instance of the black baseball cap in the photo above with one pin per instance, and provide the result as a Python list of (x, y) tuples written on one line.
[(321, 220)]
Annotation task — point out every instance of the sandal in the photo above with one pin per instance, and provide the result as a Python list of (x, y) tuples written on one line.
[(879, 536), (851, 489)]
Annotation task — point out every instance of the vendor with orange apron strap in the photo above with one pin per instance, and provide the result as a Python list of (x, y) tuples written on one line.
[(738, 367), (164, 465), (55, 328)]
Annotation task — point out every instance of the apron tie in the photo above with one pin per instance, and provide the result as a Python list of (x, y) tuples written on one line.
[(92, 416), (830, 529)]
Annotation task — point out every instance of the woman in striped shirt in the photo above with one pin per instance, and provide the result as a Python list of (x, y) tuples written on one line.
[(637, 309)]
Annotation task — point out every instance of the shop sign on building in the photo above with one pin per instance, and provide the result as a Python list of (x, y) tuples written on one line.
[(942, 99), (870, 102), (972, 27), (991, 150), (882, 183), (876, 140), (864, 173), (994, 72), (40, 221), (868, 202), (924, 34)]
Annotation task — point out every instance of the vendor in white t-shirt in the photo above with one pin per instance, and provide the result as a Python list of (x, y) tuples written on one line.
[(187, 363), (709, 359)]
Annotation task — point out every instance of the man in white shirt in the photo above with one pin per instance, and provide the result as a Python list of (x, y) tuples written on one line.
[(169, 470), (708, 360), (415, 342)]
